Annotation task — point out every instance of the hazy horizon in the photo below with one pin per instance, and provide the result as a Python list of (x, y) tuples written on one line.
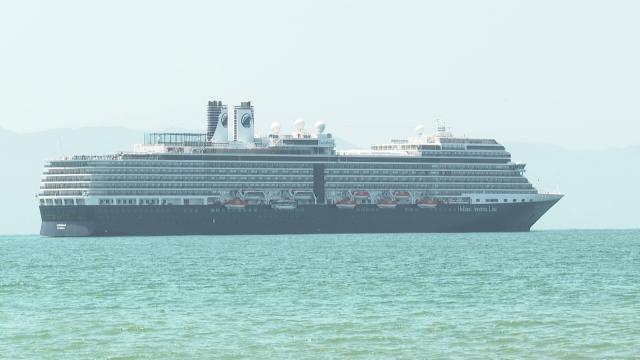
[(352, 144), (562, 73), (557, 82)]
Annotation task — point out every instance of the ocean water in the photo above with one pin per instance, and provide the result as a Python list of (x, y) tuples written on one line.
[(543, 294)]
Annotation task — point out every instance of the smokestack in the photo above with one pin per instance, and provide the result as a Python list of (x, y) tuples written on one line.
[(243, 129), (217, 122)]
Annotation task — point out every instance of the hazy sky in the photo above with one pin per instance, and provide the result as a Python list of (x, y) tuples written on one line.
[(565, 72)]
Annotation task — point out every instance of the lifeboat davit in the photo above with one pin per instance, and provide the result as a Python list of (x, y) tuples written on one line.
[(284, 205), (402, 195), (387, 204), (303, 195), (235, 204), (253, 195), (427, 203), (361, 195), (346, 204)]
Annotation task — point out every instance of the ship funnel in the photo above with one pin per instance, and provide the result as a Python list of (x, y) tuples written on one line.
[(217, 122), (243, 130)]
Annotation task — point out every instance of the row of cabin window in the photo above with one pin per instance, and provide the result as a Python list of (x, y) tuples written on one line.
[(273, 172), (504, 200), (62, 202), (181, 166), (422, 185), (427, 179)]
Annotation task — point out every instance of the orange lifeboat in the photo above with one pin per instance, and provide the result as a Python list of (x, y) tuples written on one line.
[(235, 203), (361, 195), (387, 204), (346, 204), (402, 195), (427, 203)]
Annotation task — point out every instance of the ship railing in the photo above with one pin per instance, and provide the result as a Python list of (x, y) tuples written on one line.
[(117, 156)]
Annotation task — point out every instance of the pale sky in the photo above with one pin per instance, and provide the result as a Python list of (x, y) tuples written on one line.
[(563, 72)]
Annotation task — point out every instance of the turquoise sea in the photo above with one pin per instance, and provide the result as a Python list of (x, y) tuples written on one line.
[(543, 294)]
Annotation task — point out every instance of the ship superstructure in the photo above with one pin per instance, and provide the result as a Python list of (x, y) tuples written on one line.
[(228, 182)]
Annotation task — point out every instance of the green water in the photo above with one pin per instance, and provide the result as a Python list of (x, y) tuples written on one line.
[(555, 294)]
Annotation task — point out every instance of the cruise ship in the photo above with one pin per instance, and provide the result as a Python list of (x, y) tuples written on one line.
[(227, 180)]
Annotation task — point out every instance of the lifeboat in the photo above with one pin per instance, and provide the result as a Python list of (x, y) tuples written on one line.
[(361, 195), (235, 204), (387, 204), (346, 204), (284, 205), (402, 195), (427, 203)]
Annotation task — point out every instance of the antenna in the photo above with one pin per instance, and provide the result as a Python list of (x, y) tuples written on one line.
[(442, 130)]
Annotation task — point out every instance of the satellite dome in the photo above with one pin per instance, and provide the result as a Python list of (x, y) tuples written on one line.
[(419, 130), (320, 125), (299, 124), (275, 128)]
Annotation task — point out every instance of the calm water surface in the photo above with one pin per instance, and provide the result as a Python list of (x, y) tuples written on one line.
[(549, 294)]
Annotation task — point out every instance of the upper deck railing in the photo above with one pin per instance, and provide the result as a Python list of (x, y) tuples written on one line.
[(176, 139)]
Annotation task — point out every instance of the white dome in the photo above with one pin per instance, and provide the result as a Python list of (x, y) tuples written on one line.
[(299, 124), (275, 128), (320, 125), (419, 130)]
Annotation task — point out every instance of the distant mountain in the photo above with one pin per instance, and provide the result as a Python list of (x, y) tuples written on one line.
[(23, 155), (600, 185)]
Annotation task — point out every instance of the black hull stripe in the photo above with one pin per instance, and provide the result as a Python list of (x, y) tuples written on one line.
[(213, 220)]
